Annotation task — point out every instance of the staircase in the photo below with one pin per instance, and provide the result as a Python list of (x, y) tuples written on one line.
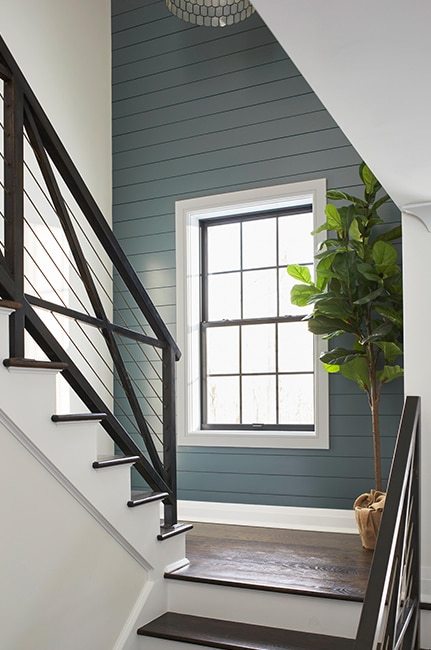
[(59, 268)]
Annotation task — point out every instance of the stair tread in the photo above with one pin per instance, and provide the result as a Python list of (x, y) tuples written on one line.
[(170, 531), (10, 304), (113, 461), (21, 362), (77, 417), (138, 498), (230, 635)]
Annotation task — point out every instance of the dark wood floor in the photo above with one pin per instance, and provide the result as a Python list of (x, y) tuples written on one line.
[(331, 565)]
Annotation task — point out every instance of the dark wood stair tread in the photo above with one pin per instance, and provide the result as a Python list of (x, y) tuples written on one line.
[(10, 304), (166, 532), (140, 498), (215, 633), (114, 461), (20, 362), (78, 417)]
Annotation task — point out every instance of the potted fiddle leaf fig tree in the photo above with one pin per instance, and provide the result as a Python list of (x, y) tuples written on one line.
[(357, 294)]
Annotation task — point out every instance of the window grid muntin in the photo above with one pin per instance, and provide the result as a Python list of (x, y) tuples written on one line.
[(205, 225)]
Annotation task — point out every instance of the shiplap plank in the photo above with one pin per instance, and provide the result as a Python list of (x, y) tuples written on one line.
[(164, 202), (272, 465), (198, 77), (150, 225), (179, 124), (233, 89), (200, 55), (227, 136), (177, 36), (190, 163), (220, 147), (275, 485), (220, 178)]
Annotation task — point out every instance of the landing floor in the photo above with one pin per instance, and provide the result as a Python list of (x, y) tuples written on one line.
[(331, 565)]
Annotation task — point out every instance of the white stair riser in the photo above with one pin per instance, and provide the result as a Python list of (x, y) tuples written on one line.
[(287, 611)]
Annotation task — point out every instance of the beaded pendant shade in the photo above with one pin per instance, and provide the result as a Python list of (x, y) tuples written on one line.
[(211, 13)]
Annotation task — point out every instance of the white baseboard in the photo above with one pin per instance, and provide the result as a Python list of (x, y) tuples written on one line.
[(321, 519)]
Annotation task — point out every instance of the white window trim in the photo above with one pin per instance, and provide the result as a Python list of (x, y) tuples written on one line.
[(188, 214)]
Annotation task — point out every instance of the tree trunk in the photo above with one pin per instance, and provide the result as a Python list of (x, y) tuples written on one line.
[(376, 443)]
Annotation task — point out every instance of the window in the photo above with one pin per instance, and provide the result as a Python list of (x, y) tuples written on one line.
[(249, 375)]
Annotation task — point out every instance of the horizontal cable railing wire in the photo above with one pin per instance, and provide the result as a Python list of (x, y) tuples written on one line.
[(82, 302), (391, 611)]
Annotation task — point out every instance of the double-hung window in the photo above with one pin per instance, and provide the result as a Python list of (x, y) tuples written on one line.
[(250, 375)]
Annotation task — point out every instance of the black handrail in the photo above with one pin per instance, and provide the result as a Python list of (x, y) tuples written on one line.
[(25, 121), (390, 617)]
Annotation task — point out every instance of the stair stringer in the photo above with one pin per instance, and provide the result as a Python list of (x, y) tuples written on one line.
[(67, 450)]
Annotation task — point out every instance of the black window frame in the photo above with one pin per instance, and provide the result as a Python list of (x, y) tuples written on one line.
[(205, 324)]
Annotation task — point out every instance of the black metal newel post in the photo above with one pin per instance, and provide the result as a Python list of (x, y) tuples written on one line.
[(14, 204), (169, 435)]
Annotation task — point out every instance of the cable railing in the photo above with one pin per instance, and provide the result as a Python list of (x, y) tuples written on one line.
[(82, 302), (391, 611)]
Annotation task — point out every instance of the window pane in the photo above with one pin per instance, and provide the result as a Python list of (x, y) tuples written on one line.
[(296, 399), (296, 244), (223, 400), (295, 347), (259, 243), (258, 348), (224, 297), (224, 247), (285, 307), (258, 395), (260, 293), (222, 350)]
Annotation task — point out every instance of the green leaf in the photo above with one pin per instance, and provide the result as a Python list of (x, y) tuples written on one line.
[(324, 226), (369, 297), (390, 235), (323, 268), (378, 334), (389, 373), (338, 195), (380, 202), (390, 350), (301, 273), (368, 178), (334, 307), (331, 368), (393, 315), (384, 255), (334, 218), (339, 356), (324, 325), (300, 294), (354, 231), (368, 272), (357, 371)]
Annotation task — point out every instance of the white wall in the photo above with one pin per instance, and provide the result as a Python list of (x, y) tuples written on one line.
[(66, 582), (417, 315), (63, 48)]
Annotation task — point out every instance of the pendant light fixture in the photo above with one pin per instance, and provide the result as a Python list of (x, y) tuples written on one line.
[(211, 13)]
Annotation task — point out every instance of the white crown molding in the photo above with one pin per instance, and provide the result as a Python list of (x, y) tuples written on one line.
[(420, 210)]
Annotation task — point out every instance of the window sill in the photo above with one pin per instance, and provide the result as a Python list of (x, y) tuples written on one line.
[(256, 439)]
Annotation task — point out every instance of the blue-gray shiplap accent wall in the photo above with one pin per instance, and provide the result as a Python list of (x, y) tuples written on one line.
[(199, 111)]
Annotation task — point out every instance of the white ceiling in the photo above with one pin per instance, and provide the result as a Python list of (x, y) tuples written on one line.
[(369, 61)]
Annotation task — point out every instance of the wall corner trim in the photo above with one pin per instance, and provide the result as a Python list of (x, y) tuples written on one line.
[(420, 210)]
